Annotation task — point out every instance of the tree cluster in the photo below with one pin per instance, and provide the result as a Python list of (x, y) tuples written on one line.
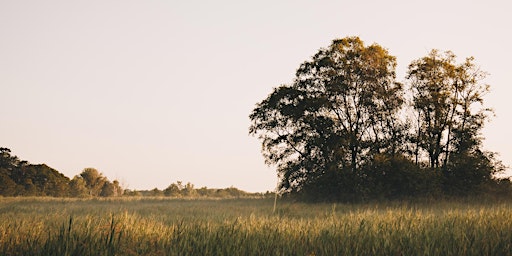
[(91, 183), (180, 190), (346, 129), (19, 178)]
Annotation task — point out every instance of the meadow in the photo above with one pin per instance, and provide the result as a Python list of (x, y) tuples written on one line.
[(163, 226)]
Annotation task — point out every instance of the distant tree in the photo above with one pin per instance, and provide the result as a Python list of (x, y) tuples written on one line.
[(118, 189), (94, 181), (111, 189), (19, 178), (108, 189), (7, 185), (203, 191), (156, 192), (49, 182), (189, 190), (39, 180), (6, 160), (78, 187), (174, 189)]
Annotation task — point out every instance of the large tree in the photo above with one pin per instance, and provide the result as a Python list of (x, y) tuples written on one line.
[(448, 104), (340, 110)]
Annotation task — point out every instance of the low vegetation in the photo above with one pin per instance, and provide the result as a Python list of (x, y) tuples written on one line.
[(163, 226)]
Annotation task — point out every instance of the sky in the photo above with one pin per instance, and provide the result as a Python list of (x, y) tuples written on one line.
[(152, 92)]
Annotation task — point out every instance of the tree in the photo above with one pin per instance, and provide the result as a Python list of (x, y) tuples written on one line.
[(340, 110), (94, 181), (448, 104), (78, 187), (48, 181), (108, 189), (29, 188), (7, 185), (118, 189), (6, 160), (19, 178), (189, 190), (173, 190)]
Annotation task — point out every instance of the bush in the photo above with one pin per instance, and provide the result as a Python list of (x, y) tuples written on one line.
[(398, 177)]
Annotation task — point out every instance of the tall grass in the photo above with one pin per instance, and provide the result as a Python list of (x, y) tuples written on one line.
[(159, 226)]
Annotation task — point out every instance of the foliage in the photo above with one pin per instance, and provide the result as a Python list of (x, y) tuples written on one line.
[(178, 190), (339, 111), (448, 104), (444, 99), (19, 178), (98, 185), (78, 187), (344, 129), (394, 177), (94, 181)]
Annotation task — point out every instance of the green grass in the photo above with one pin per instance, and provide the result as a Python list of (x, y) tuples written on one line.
[(159, 226)]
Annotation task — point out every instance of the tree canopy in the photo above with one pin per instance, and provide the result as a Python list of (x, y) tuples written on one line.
[(20, 178), (340, 129)]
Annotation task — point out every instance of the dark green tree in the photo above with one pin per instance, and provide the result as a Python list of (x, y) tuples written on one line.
[(48, 181), (6, 160), (340, 111), (19, 178), (448, 105)]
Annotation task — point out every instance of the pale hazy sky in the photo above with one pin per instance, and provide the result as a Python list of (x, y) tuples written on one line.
[(150, 92)]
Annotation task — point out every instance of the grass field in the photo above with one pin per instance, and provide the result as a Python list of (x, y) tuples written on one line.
[(160, 226)]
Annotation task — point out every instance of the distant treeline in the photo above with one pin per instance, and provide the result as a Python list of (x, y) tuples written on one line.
[(178, 189), (20, 178)]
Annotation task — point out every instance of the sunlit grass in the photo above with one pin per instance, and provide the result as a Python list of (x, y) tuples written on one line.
[(160, 226)]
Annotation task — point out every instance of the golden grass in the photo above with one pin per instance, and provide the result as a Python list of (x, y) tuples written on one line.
[(161, 226)]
